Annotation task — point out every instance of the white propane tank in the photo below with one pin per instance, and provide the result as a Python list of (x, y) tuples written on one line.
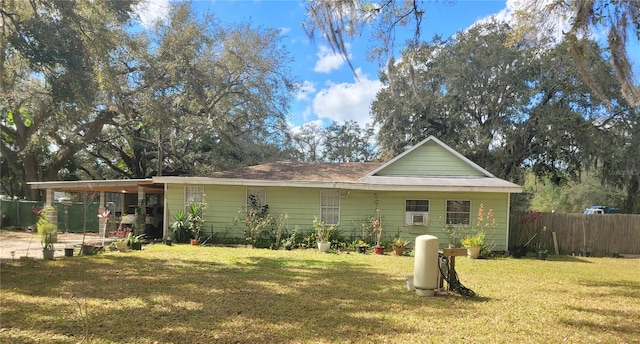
[(425, 268)]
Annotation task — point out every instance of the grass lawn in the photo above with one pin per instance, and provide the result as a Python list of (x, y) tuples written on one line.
[(187, 294)]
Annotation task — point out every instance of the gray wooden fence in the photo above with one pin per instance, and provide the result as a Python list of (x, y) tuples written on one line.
[(601, 235)]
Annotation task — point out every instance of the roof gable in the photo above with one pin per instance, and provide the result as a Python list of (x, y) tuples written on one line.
[(431, 158)]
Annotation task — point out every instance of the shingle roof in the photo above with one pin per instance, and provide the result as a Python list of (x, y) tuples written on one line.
[(302, 171)]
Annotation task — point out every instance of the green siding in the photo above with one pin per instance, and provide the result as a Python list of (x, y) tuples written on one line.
[(430, 159), (302, 204)]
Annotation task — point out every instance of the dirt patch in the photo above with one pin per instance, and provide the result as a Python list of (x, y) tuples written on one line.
[(27, 244)]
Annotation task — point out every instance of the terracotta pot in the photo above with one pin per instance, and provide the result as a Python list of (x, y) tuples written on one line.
[(398, 250), (121, 245), (378, 249), (194, 242)]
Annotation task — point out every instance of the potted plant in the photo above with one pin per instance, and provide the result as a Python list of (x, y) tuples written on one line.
[(121, 245), (48, 240), (474, 243), (195, 221), (361, 247), (323, 235), (135, 241), (376, 225), (399, 246), (290, 242), (542, 253), (48, 232), (180, 227), (88, 248)]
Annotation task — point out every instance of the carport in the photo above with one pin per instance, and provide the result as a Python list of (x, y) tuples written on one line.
[(130, 188)]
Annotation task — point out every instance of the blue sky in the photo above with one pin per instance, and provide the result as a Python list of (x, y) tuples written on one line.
[(329, 90)]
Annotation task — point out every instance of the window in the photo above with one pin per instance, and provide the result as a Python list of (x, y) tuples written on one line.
[(260, 196), (193, 194), (458, 212), (330, 207), (421, 205), (416, 212)]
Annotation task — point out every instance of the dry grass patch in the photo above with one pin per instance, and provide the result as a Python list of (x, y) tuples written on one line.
[(185, 294)]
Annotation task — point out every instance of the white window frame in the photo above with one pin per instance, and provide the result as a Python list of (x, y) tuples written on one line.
[(330, 203), (447, 212), (193, 194), (409, 215), (260, 193)]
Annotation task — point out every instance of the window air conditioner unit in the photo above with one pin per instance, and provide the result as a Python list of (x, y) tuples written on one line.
[(417, 219)]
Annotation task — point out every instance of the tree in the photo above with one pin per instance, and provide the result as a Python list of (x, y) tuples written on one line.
[(53, 55), (466, 91), (619, 20), (337, 21), (190, 97), (619, 164), (349, 143), (506, 107), (214, 96), (308, 141)]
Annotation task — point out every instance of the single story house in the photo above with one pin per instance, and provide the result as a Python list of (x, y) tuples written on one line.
[(424, 190), (421, 191)]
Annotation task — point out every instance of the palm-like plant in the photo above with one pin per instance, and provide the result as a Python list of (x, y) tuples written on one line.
[(180, 227)]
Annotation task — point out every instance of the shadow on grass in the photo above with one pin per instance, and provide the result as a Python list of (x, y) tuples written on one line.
[(622, 322), (131, 298), (614, 288), (558, 258)]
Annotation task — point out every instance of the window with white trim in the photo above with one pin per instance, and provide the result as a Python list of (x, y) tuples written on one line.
[(416, 212), (458, 212), (330, 207), (259, 194), (193, 194)]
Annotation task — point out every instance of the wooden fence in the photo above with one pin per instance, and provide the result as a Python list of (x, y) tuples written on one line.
[(601, 235)]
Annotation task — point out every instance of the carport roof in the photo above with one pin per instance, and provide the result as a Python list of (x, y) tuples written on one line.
[(113, 185)]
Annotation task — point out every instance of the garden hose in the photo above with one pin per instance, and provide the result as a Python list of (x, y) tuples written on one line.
[(453, 281)]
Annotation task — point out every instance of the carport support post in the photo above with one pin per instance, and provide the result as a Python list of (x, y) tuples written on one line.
[(142, 201), (102, 222), (52, 216)]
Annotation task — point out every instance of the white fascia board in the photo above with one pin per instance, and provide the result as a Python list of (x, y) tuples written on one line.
[(334, 185), (247, 182), (88, 183)]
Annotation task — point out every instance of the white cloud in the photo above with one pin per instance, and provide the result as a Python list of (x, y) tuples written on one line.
[(347, 101), (284, 30), (150, 11), (298, 129), (328, 60), (305, 90)]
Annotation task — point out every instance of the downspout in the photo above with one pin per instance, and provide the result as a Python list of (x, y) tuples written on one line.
[(165, 213), (508, 220)]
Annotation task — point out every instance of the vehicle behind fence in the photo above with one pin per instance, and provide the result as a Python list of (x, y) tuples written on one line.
[(18, 213), (599, 235)]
